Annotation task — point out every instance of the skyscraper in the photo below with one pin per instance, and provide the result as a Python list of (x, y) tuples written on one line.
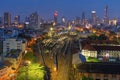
[(106, 19), (7, 19), (94, 17), (27, 22), (77, 21), (83, 18), (34, 21), (1, 21), (17, 19), (55, 17)]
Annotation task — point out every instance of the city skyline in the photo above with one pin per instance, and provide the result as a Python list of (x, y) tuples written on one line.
[(68, 8)]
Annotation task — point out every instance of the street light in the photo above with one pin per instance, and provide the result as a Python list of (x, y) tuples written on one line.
[(29, 62), (51, 29), (55, 69), (69, 28), (26, 51)]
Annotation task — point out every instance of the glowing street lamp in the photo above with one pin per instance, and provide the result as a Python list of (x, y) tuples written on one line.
[(26, 51), (29, 62), (51, 29), (55, 69), (69, 27)]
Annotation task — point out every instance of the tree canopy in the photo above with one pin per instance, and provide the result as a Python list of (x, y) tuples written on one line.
[(31, 72)]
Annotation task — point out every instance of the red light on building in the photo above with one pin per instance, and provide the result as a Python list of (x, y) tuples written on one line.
[(55, 13)]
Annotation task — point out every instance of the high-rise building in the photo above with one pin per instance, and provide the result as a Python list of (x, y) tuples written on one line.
[(17, 19), (94, 17), (83, 18), (56, 17), (1, 21), (106, 18), (98, 20), (7, 19), (77, 21), (34, 21), (27, 22)]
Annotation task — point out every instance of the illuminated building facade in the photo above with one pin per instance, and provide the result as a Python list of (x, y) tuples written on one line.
[(107, 53), (113, 22)]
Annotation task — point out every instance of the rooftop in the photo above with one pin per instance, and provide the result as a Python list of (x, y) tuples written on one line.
[(100, 67), (98, 45), (100, 48), (99, 42)]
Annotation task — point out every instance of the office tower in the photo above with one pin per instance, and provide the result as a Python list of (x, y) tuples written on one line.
[(93, 17), (17, 19), (106, 19), (77, 21), (83, 18), (27, 19), (55, 17), (1, 21), (34, 21), (7, 19), (27, 22)]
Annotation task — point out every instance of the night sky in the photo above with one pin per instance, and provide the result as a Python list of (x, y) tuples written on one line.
[(68, 8)]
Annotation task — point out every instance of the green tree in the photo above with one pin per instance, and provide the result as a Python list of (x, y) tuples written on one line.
[(86, 78), (102, 37), (31, 72), (93, 37), (30, 56)]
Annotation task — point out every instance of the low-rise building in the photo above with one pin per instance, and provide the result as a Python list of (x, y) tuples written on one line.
[(104, 51), (13, 43), (99, 71)]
